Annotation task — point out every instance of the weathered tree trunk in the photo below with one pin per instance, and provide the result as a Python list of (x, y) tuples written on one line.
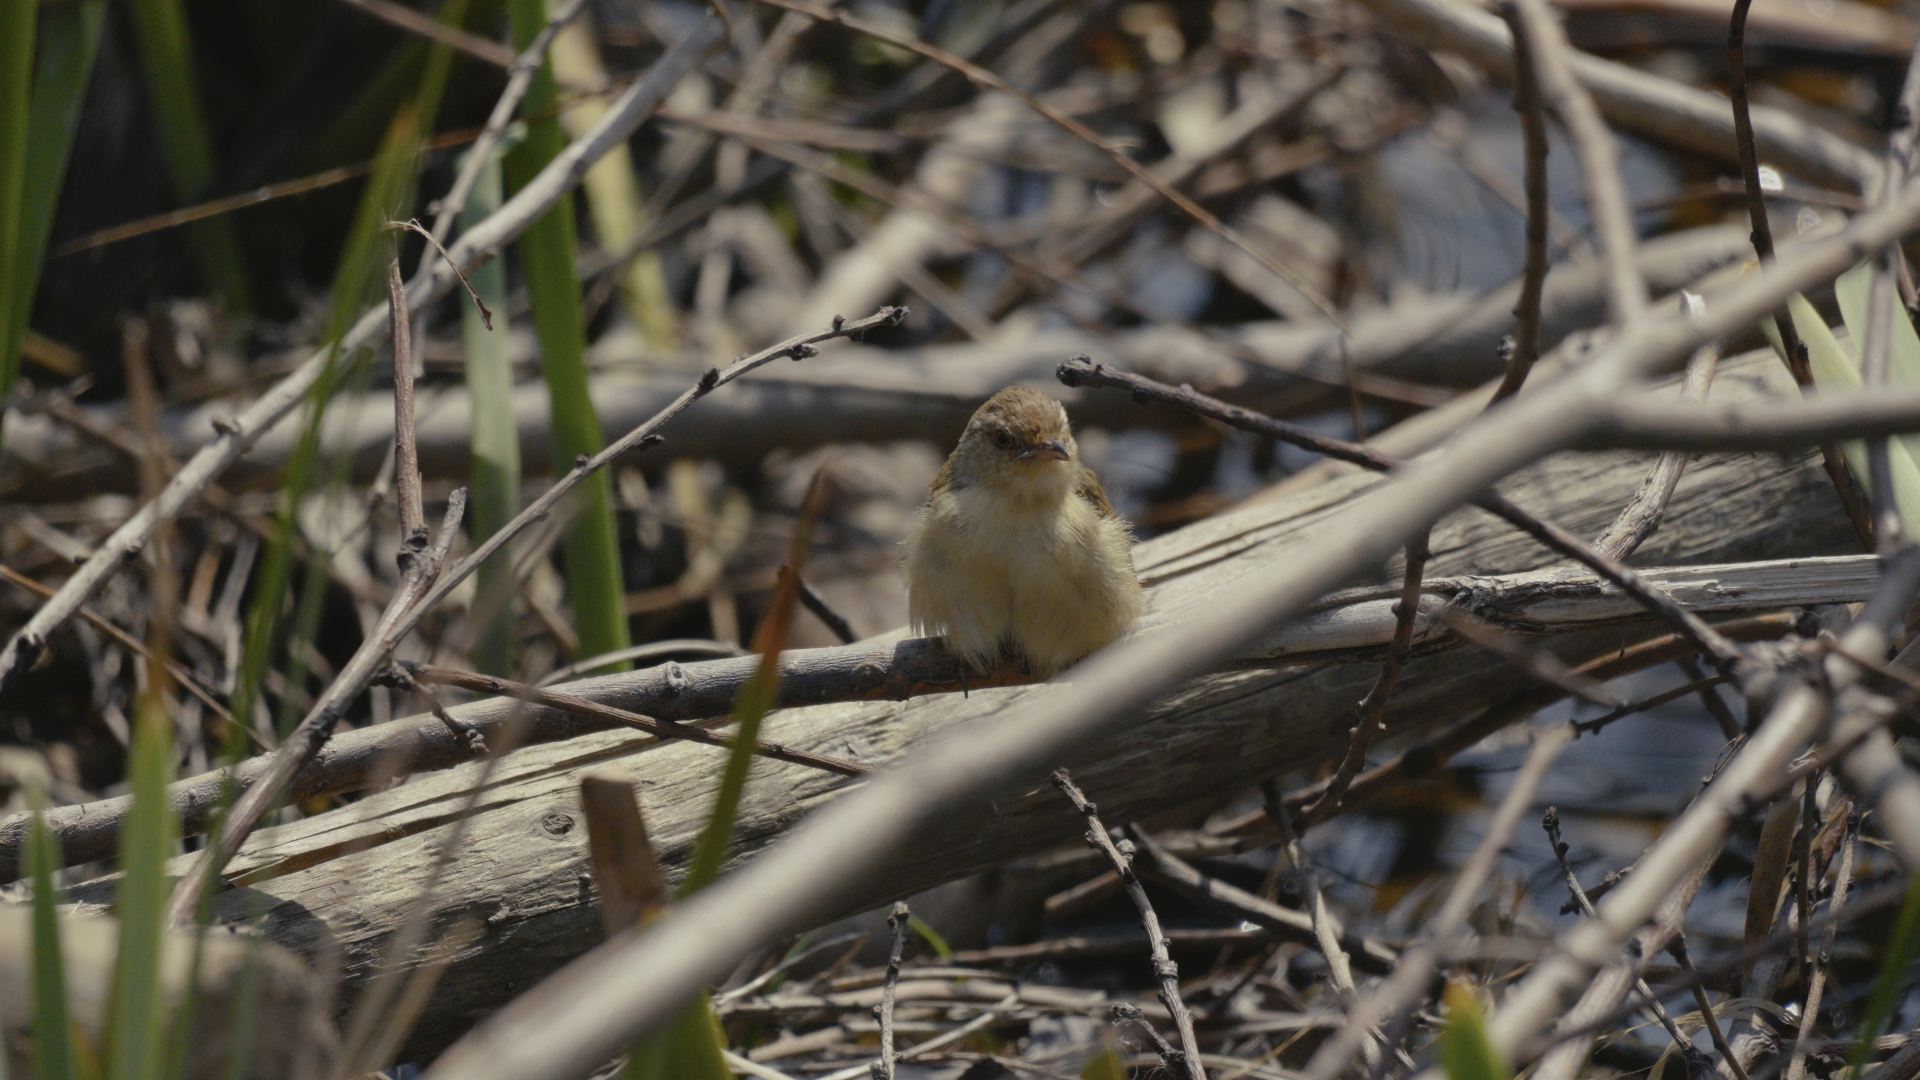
[(523, 866)]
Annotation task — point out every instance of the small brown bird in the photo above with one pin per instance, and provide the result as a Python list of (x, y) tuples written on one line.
[(1017, 554)]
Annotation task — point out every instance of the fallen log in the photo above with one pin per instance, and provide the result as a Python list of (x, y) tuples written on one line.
[(352, 874)]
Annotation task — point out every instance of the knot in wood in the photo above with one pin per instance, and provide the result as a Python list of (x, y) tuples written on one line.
[(868, 675), (556, 823), (1165, 969), (674, 680)]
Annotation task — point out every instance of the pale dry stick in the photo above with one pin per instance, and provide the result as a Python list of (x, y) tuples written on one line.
[(405, 18), (1373, 707), (1598, 723), (1793, 721), (1857, 509), (406, 447), (1599, 160), (1533, 275), (1817, 981), (584, 1014), (1726, 656), (882, 1067), (1407, 986), (418, 568), (1550, 821), (1641, 516), (1165, 973), (234, 437), (519, 79), (1325, 932), (579, 706), (985, 79), (1641, 422), (1339, 968)]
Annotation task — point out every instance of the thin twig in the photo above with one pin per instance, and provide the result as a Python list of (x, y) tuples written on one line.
[(1730, 725), (1641, 516), (1677, 948), (1374, 706), (1080, 371), (406, 446), (453, 37), (579, 706), (1599, 160), (645, 435), (1823, 961), (1325, 931), (1538, 663), (1165, 972), (882, 1067), (1550, 821), (1698, 685), (1533, 275), (823, 611)]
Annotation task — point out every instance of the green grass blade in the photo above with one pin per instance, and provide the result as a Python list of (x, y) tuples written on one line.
[(595, 585), (1903, 344), (689, 1049), (137, 1030), (69, 38), (1835, 369), (53, 1056), (1894, 973), (16, 88), (495, 496), (1465, 1051), (612, 189), (167, 55)]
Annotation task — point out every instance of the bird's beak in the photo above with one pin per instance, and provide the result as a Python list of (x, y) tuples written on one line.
[(1051, 450)]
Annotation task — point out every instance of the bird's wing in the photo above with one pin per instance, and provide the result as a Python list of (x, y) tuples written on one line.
[(1087, 486)]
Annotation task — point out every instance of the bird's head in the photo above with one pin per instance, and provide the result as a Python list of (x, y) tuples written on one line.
[(1018, 441)]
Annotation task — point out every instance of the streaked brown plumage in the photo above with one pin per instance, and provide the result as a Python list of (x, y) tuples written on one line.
[(1018, 554)]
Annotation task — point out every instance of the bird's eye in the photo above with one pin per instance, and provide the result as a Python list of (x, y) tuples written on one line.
[(1001, 439)]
